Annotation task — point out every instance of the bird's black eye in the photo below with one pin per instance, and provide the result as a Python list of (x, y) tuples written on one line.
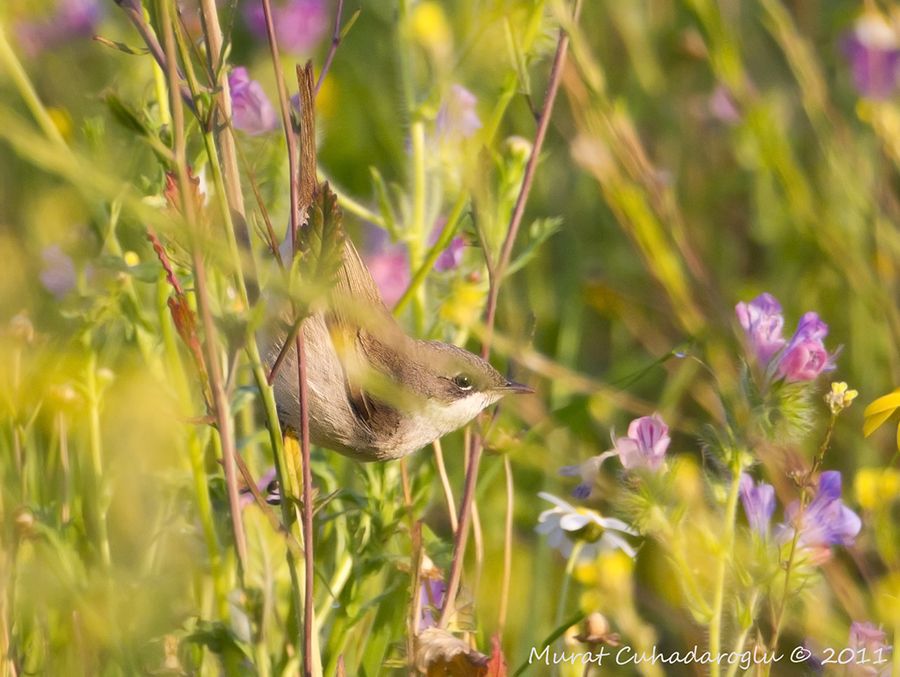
[(462, 382)]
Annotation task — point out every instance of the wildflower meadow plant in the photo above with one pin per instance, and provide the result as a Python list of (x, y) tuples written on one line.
[(690, 529)]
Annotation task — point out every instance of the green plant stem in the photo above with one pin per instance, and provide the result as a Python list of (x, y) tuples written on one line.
[(175, 369), (222, 407), (564, 590), (447, 234), (96, 462), (445, 484), (97, 516), (354, 207), (742, 638), (20, 78), (507, 546), (715, 625), (417, 231), (798, 521), (215, 55), (474, 445)]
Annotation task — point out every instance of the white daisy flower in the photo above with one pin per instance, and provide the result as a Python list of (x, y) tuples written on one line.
[(564, 525)]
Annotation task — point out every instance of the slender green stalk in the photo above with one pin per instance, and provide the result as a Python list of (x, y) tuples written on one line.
[(447, 234), (507, 545), (742, 639), (302, 188), (355, 207), (566, 583), (417, 231), (473, 443), (792, 553), (445, 484), (175, 370), (13, 66), (95, 458), (222, 407), (727, 545)]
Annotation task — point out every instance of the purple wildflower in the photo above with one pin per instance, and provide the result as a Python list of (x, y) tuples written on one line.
[(875, 648), (390, 270), (458, 116), (723, 107), (432, 597), (72, 19), (251, 110), (58, 272), (805, 356), (267, 486), (762, 320), (759, 503), (826, 521), (646, 443), (299, 24), (874, 56), (451, 257), (588, 472)]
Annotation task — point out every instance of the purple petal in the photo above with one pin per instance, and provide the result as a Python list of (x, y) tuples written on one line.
[(762, 322), (458, 115), (874, 58), (390, 270), (582, 491), (252, 112), (758, 502), (629, 452), (451, 257), (299, 24), (58, 272), (72, 20), (829, 486)]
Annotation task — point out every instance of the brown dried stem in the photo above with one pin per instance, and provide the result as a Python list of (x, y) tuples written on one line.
[(299, 205), (496, 272), (135, 14), (335, 43), (223, 130), (221, 406)]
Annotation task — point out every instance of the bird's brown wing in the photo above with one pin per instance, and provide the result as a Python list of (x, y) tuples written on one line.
[(361, 326)]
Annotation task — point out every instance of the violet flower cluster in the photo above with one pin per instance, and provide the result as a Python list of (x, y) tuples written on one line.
[(873, 52), (299, 24), (802, 358), (825, 522), (71, 20), (644, 447), (251, 110)]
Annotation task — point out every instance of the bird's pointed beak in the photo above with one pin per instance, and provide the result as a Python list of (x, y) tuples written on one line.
[(511, 387)]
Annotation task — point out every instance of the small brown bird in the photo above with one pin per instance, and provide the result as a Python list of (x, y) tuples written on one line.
[(375, 393)]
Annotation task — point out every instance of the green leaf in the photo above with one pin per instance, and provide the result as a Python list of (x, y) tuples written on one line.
[(352, 20), (540, 231), (322, 240), (121, 46), (384, 203), (552, 637), (125, 115)]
